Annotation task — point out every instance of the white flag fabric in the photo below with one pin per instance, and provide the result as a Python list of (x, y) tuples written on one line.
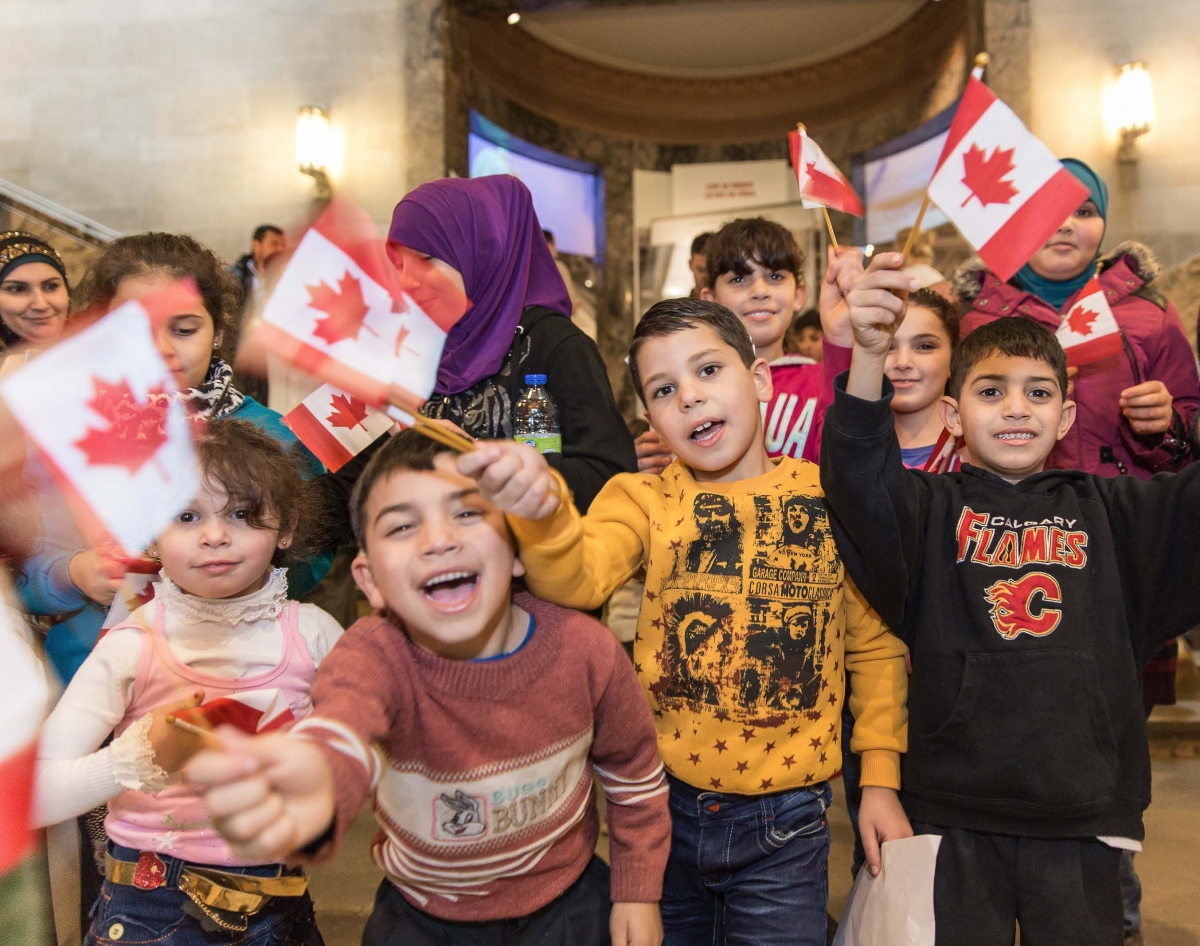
[(1089, 331), (1000, 185), (338, 312), (337, 426), (821, 183), (99, 408)]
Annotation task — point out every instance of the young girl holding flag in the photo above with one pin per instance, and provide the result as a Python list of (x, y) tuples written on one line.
[(220, 635)]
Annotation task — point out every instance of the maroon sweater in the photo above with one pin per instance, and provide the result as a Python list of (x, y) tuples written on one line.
[(483, 770)]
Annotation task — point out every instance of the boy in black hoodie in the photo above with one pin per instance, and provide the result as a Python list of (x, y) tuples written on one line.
[(1030, 601)]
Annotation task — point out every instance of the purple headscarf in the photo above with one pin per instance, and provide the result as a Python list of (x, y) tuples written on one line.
[(487, 229)]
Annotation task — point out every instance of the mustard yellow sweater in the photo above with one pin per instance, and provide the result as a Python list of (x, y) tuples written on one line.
[(747, 627)]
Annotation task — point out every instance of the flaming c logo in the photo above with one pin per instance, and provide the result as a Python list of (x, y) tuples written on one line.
[(1020, 606)]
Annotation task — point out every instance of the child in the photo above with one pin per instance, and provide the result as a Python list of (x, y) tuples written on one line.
[(918, 365), (804, 336), (745, 624), (1029, 601), (494, 710), (220, 627), (754, 270)]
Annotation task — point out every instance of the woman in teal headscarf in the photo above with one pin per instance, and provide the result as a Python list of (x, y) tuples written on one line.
[(1135, 409)]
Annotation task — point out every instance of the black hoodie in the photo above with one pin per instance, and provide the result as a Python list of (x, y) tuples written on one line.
[(1030, 610)]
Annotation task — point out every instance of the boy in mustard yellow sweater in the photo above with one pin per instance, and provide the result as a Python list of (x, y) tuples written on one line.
[(746, 630)]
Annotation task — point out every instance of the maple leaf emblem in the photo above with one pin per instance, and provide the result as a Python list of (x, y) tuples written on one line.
[(984, 177), (348, 412), (135, 431), (344, 309), (1080, 320)]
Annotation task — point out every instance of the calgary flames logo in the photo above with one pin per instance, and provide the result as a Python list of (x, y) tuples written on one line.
[(1017, 610)]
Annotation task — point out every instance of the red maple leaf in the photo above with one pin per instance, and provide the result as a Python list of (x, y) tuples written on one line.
[(135, 431), (348, 412), (984, 177), (1080, 320), (344, 309)]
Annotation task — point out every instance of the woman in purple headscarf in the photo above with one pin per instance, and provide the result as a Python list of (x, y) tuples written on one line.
[(485, 233)]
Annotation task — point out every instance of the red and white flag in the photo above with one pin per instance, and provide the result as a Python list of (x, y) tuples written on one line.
[(1089, 332), (337, 426), (253, 711), (341, 312), (22, 707), (137, 588), (1000, 185), (99, 408), (821, 183)]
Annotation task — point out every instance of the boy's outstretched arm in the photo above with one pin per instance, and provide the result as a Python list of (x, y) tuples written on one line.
[(514, 477), (269, 796)]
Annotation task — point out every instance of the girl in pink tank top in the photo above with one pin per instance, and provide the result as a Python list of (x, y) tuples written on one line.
[(219, 644)]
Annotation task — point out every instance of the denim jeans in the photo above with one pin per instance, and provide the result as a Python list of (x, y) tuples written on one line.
[(747, 870), (1131, 893), (128, 916)]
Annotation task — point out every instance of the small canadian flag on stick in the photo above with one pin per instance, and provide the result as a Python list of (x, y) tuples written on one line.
[(336, 425), (1089, 331), (99, 408), (252, 711), (1000, 185), (341, 312), (821, 183)]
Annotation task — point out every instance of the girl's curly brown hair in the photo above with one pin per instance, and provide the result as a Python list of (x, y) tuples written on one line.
[(267, 480), (175, 254)]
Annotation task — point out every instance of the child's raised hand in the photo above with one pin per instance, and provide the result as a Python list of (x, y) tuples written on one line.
[(635, 924), (512, 476), (877, 298), (880, 818), (845, 263), (269, 795), (652, 454)]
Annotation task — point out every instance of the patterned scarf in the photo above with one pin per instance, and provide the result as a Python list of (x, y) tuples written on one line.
[(216, 397)]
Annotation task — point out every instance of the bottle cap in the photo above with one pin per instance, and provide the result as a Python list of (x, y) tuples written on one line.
[(535, 379)]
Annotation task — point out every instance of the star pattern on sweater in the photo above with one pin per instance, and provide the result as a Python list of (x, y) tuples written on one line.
[(742, 766), (769, 746), (694, 758), (747, 733), (766, 783), (789, 761), (720, 746), (715, 783)]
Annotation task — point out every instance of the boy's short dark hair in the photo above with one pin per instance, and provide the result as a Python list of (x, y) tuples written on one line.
[(700, 243), (735, 245), (261, 231), (1015, 336), (809, 318), (939, 305), (408, 450), (676, 315)]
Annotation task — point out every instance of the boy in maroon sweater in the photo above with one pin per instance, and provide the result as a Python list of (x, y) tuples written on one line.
[(479, 718)]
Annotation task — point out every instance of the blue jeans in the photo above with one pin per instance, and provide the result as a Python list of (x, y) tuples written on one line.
[(747, 870), (128, 916)]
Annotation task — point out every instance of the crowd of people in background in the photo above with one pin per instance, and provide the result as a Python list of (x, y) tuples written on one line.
[(831, 475)]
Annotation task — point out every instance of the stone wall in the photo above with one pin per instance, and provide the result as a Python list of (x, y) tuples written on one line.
[(159, 114)]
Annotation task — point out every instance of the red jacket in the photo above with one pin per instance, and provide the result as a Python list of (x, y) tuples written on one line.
[(1101, 440)]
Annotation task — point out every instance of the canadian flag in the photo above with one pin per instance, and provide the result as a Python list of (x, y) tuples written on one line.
[(341, 312), (22, 707), (821, 183), (337, 426), (137, 588), (253, 711), (1089, 332), (99, 407), (1000, 185)]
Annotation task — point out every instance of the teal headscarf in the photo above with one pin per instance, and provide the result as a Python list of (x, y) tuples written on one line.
[(1054, 291)]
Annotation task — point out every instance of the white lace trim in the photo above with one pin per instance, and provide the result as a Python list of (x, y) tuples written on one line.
[(263, 605), (133, 759)]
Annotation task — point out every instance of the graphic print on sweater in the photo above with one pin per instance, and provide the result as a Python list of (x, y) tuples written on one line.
[(1022, 605), (761, 660)]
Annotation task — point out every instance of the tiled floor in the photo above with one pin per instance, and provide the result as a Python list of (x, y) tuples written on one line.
[(1170, 868)]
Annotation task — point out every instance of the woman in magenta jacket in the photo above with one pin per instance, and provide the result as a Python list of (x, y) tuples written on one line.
[(1136, 408)]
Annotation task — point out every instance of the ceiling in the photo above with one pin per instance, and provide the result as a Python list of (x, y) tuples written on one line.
[(716, 39)]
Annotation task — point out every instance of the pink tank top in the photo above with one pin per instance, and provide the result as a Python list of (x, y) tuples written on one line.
[(175, 821)]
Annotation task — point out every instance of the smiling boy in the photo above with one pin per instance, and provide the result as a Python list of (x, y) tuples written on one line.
[(477, 717), (747, 628), (1030, 599)]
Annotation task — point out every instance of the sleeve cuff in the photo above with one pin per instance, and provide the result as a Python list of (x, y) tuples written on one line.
[(552, 530), (635, 886), (881, 768)]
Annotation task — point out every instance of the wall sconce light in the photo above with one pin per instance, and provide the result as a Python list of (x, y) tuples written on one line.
[(1132, 105), (314, 148)]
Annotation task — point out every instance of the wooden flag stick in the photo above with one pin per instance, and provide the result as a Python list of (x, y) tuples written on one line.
[(443, 435), (207, 735), (829, 227), (916, 228)]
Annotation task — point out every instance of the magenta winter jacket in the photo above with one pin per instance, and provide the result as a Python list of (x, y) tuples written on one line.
[(1156, 349)]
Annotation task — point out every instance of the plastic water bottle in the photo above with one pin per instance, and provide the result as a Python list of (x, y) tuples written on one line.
[(535, 418)]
